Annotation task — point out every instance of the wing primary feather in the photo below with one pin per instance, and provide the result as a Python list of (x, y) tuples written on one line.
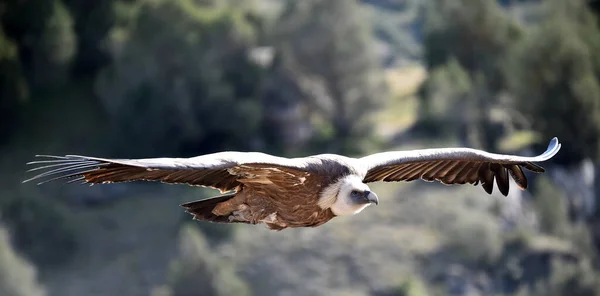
[(418, 173), (122, 174), (533, 167), (463, 175), (82, 178), (441, 169), (53, 156), (473, 174), (177, 176), (401, 175), (501, 175), (57, 161), (385, 174), (488, 187), (486, 176), (64, 177), (196, 176), (454, 171), (62, 170), (63, 164), (432, 167), (517, 174)]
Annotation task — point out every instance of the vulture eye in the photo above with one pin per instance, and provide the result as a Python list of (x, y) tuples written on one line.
[(355, 193)]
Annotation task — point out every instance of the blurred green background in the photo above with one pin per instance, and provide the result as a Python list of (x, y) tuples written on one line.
[(180, 78)]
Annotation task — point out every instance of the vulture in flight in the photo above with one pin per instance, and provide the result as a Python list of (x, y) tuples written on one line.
[(296, 192)]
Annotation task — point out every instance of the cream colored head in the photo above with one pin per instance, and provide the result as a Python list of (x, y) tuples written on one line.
[(348, 196)]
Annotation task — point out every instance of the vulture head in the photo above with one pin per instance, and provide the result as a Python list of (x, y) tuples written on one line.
[(348, 196)]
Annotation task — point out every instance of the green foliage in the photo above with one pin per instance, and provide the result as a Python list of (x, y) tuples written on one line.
[(43, 30), (55, 47), (413, 286), (477, 37), (474, 238), (93, 21), (197, 269), (444, 98), (13, 86), (41, 229), (476, 34), (327, 48), (393, 23), (17, 276), (565, 245), (567, 278), (551, 208), (554, 75), (27, 19), (183, 72), (215, 232), (58, 38), (470, 232)]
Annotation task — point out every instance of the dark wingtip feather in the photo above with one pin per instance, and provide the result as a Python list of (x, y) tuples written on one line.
[(501, 178), (517, 175), (487, 178), (488, 187), (533, 167)]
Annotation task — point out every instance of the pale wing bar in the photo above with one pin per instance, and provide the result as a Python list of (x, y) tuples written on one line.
[(456, 166)]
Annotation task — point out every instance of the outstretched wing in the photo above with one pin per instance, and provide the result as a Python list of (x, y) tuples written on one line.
[(223, 170), (455, 166)]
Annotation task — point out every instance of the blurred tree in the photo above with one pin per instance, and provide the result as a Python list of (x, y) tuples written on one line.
[(198, 270), (412, 286), (17, 276), (476, 35), (41, 228), (182, 72), (444, 100), (326, 46), (25, 24), (44, 36), (287, 130), (551, 207), (55, 48), (13, 86), (564, 249), (397, 24), (567, 278), (595, 8), (93, 21), (553, 74)]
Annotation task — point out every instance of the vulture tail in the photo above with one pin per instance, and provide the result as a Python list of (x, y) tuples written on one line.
[(202, 210)]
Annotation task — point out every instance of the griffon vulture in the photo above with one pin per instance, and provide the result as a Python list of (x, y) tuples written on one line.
[(297, 192)]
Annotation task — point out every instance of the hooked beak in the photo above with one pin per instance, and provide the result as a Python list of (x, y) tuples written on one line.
[(371, 197)]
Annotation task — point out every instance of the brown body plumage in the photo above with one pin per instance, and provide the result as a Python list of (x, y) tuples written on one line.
[(269, 196), (298, 192)]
